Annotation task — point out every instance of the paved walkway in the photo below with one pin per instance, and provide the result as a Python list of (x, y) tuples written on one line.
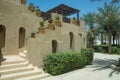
[(100, 70)]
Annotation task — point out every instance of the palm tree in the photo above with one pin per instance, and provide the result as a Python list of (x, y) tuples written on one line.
[(89, 19), (115, 1), (108, 18)]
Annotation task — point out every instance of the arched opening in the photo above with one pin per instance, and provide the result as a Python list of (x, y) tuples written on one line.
[(71, 40), (54, 46), (2, 36), (21, 37), (2, 41)]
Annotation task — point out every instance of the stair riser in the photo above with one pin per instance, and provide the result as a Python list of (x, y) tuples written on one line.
[(13, 66), (4, 63), (16, 71), (21, 76), (24, 57)]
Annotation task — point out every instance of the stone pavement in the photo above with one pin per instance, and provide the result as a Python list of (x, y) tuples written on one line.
[(100, 70)]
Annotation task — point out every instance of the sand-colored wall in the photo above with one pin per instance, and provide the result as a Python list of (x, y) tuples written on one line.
[(14, 15), (41, 45)]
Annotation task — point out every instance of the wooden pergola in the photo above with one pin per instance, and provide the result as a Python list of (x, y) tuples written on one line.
[(64, 10)]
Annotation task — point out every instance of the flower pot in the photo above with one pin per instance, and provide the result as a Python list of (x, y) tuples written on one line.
[(74, 21), (32, 35), (38, 13), (51, 26), (58, 23), (31, 8), (23, 2), (41, 30)]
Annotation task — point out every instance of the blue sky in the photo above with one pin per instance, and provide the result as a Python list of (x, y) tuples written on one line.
[(84, 6)]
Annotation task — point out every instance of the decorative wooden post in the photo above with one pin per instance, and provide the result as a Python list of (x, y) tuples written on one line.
[(78, 22)]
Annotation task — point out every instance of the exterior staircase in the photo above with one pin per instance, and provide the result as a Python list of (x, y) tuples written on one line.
[(17, 68)]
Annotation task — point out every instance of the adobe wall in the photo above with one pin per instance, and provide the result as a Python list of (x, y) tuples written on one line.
[(41, 45), (14, 15)]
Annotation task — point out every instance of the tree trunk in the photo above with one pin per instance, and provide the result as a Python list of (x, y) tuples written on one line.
[(113, 39), (105, 38), (101, 38), (109, 41), (118, 39)]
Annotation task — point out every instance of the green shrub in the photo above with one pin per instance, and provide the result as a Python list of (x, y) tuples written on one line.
[(101, 48), (115, 50), (118, 46), (87, 54), (64, 62), (104, 49)]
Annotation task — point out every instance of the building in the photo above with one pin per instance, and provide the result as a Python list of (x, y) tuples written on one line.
[(19, 26)]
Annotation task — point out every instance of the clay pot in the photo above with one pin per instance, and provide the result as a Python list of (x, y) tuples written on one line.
[(58, 23), (41, 30), (51, 26), (23, 2), (38, 13), (31, 8), (74, 21)]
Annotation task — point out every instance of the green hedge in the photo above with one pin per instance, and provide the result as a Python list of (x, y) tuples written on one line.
[(104, 49), (59, 63), (115, 50), (88, 55), (101, 48)]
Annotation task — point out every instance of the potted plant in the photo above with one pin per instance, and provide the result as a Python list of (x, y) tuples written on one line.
[(50, 20), (57, 22), (32, 35), (31, 7), (51, 25), (74, 20), (23, 2), (41, 29), (38, 13)]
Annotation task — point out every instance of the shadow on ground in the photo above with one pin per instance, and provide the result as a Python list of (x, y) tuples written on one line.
[(102, 64)]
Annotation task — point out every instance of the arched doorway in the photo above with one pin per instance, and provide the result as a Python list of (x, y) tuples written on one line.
[(71, 40), (2, 41), (2, 36), (54, 46), (21, 37)]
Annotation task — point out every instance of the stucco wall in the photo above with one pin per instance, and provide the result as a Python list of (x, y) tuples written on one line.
[(14, 15), (41, 45)]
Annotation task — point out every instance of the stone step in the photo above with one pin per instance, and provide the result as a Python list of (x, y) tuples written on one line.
[(36, 77), (16, 70), (23, 54), (16, 65), (20, 75), (13, 62)]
